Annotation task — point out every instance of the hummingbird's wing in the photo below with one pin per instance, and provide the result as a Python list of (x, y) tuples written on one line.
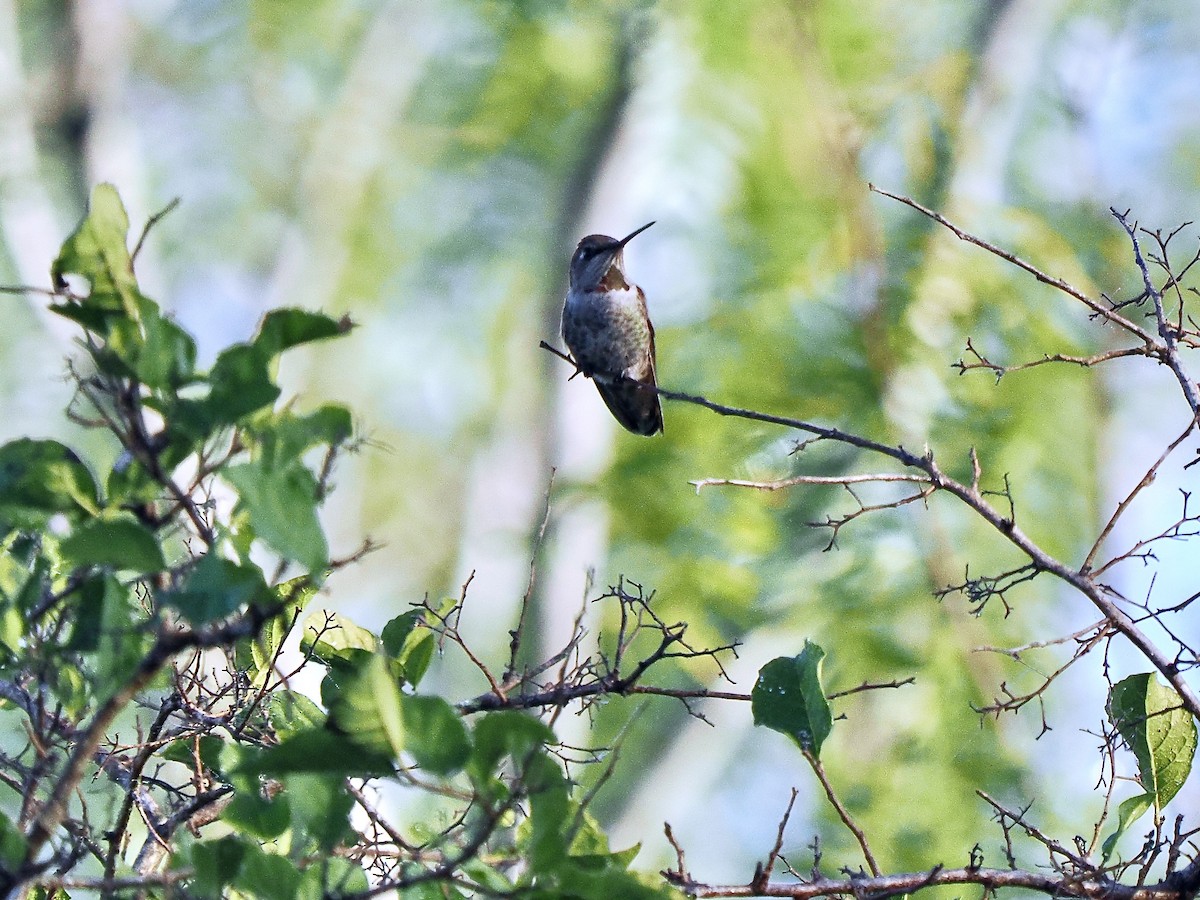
[(633, 401)]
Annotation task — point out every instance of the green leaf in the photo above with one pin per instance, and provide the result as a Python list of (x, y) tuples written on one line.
[(290, 713), (282, 504), (331, 878), (158, 352), (41, 478), (264, 819), (185, 750), (12, 845), (282, 438), (602, 878), (438, 890), (396, 632), (12, 631), (266, 876), (1127, 813), (1161, 734), (590, 840), (17, 602), (409, 643), (121, 542), (284, 328), (129, 484), (71, 688), (364, 704), (550, 805), (319, 752), (788, 698), (97, 251), (295, 594), (240, 384), (505, 733), (434, 734), (110, 624), (330, 637), (321, 808), (138, 337), (328, 424), (215, 588), (216, 863), (89, 616)]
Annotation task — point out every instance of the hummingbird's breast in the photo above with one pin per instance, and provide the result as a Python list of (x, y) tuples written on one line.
[(608, 331)]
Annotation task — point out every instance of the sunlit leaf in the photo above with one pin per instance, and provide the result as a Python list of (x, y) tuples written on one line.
[(1127, 813), (328, 636), (1160, 732), (97, 251)]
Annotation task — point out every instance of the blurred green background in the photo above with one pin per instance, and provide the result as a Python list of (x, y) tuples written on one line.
[(427, 167)]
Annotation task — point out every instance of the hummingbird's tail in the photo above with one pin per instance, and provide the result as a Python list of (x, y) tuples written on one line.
[(634, 404)]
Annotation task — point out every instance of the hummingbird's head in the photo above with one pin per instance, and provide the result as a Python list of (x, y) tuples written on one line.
[(595, 255)]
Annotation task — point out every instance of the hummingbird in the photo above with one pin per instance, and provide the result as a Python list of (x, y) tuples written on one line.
[(607, 329)]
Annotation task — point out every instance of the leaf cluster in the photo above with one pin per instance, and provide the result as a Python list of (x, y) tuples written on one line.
[(156, 600)]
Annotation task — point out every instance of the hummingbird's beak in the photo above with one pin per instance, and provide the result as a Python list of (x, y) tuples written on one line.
[(629, 237)]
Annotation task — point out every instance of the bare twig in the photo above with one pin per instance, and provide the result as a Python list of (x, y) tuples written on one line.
[(1053, 884), (150, 223), (843, 480), (514, 646), (1098, 308), (1128, 499), (982, 362), (762, 873), (843, 813)]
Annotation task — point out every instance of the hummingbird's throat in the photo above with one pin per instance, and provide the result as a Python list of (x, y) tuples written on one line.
[(613, 280)]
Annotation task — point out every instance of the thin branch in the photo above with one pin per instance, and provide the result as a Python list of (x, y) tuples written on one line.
[(1099, 309), (871, 686), (1054, 847), (762, 874), (1169, 350), (1053, 884), (514, 645), (882, 477), (1128, 499), (150, 223), (843, 813), (983, 362)]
